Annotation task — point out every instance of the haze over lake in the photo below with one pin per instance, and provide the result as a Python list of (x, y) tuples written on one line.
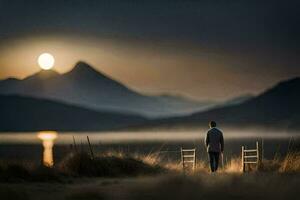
[(137, 136), (29, 146)]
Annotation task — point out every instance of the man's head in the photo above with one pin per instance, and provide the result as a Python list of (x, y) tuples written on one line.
[(212, 124)]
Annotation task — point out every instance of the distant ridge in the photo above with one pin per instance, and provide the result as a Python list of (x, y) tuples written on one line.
[(277, 107), (32, 114)]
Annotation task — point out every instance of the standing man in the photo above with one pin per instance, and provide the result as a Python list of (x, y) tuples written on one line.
[(214, 142)]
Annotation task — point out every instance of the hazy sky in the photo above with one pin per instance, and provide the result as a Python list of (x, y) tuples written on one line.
[(204, 49)]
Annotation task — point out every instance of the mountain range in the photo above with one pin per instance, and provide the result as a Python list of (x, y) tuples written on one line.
[(277, 107), (86, 99), (86, 87)]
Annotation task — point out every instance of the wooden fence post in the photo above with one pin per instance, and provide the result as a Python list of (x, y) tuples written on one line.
[(182, 161), (243, 164), (194, 161), (257, 154)]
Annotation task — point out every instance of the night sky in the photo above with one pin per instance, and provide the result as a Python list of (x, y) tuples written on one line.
[(202, 49)]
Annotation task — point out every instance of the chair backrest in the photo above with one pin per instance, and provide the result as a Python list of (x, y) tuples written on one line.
[(250, 156), (188, 158)]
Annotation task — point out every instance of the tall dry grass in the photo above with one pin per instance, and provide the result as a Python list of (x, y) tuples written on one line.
[(120, 164), (234, 165), (291, 163), (111, 164), (288, 164), (81, 164)]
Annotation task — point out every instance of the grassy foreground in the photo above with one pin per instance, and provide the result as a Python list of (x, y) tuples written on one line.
[(78, 165), (118, 176)]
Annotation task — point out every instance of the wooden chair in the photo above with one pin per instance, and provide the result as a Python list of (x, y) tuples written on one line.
[(188, 158), (250, 156)]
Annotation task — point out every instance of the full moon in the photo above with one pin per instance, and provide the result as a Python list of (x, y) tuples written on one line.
[(46, 61)]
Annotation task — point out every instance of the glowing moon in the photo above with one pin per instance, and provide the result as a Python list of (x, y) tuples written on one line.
[(46, 61)]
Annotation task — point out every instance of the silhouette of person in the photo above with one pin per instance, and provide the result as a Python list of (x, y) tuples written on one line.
[(214, 143)]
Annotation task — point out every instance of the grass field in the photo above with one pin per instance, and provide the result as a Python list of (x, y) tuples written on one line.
[(115, 175)]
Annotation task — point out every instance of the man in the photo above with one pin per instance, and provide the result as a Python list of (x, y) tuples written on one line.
[(214, 142)]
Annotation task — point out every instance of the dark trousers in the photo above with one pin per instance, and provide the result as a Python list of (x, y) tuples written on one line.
[(214, 160)]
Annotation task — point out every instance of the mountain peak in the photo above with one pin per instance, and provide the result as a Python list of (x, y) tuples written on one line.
[(82, 66), (43, 74), (85, 70)]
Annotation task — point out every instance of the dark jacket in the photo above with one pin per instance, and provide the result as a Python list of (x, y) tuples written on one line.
[(214, 140)]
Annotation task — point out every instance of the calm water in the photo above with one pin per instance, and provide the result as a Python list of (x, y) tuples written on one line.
[(52, 145)]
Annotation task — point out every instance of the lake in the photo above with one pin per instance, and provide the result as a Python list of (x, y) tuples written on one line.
[(55, 145)]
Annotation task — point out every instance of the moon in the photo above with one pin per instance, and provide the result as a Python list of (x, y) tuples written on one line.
[(46, 61)]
